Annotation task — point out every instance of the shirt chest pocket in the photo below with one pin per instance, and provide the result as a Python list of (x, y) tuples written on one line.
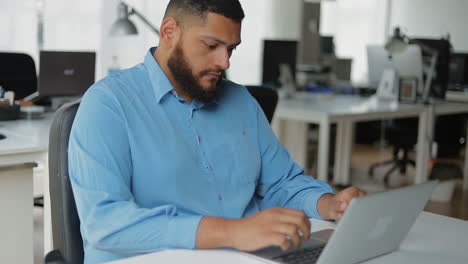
[(237, 157)]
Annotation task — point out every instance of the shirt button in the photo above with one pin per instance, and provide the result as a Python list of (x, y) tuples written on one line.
[(220, 198)]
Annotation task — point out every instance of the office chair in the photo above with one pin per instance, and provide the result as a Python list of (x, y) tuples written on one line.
[(68, 244), (266, 97), (402, 134), (18, 74)]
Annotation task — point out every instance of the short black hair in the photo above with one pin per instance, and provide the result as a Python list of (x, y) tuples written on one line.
[(228, 8)]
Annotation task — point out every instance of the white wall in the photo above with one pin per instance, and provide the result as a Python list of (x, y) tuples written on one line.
[(354, 25), (433, 19), (68, 25), (273, 19), (265, 19)]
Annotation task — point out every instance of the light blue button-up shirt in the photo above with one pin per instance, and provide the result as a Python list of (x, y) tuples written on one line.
[(146, 166)]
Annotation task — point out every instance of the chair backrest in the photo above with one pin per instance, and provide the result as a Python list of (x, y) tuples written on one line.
[(65, 222), (18, 74), (266, 97)]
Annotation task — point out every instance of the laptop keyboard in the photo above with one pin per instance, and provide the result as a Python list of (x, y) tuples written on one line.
[(306, 255)]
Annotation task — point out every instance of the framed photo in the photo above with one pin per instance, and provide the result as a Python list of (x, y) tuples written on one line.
[(408, 89)]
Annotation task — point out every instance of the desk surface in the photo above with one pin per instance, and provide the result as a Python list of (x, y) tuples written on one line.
[(312, 107), (25, 135), (432, 239)]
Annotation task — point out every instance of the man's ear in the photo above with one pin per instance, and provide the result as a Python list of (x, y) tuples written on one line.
[(169, 31)]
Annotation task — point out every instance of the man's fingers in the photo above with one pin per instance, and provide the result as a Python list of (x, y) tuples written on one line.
[(301, 223), (280, 240), (291, 231)]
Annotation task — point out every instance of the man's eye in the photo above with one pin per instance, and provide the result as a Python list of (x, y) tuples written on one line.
[(211, 47)]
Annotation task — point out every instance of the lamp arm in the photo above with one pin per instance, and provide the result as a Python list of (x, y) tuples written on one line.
[(427, 85), (138, 14)]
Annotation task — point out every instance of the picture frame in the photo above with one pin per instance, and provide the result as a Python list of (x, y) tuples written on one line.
[(408, 89)]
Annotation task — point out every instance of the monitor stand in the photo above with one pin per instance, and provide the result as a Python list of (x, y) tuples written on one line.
[(57, 102)]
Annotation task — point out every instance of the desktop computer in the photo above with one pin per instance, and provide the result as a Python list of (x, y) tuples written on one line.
[(407, 64), (276, 53)]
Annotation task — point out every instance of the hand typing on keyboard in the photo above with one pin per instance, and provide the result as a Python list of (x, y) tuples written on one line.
[(272, 227)]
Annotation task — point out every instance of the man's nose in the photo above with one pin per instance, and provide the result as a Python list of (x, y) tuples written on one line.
[(222, 59)]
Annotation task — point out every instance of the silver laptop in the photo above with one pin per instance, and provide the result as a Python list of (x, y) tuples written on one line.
[(371, 226)]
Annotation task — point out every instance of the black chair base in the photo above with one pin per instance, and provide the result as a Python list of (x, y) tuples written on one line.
[(398, 163)]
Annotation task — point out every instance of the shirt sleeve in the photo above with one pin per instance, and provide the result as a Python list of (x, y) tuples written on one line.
[(283, 182), (100, 168)]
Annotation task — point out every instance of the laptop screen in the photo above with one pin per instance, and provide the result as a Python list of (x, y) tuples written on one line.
[(65, 73)]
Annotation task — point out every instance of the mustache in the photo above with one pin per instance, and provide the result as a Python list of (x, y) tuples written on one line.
[(210, 71)]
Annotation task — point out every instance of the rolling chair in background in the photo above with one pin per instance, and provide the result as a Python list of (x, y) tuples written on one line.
[(67, 241), (402, 135), (266, 97), (18, 74)]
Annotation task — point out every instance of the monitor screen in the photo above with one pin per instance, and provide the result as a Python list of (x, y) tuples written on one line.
[(66, 73), (276, 52), (458, 71)]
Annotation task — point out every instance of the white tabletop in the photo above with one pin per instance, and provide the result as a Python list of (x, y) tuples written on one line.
[(25, 135), (432, 239), (311, 107)]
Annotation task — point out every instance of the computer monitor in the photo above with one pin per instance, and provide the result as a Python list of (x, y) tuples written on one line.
[(275, 53), (66, 73), (441, 75), (458, 72), (408, 64), (327, 45)]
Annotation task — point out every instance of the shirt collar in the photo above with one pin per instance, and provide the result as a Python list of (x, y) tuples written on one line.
[(159, 81), (161, 84)]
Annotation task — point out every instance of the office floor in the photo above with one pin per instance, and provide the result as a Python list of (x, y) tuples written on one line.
[(363, 156)]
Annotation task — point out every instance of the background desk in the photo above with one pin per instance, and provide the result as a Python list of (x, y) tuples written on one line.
[(27, 142), (432, 239), (293, 115)]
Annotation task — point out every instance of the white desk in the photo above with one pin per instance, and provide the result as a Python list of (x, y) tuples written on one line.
[(27, 142), (432, 239), (293, 115)]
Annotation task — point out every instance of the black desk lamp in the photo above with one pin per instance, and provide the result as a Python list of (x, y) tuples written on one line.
[(124, 26)]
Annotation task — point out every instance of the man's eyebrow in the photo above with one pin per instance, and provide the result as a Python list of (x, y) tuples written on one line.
[(221, 41)]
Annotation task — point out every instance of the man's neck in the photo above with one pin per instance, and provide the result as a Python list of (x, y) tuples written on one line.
[(161, 58)]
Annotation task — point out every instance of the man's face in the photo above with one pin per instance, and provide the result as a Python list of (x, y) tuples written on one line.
[(202, 54)]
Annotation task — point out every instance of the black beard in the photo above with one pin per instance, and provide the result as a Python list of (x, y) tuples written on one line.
[(189, 84)]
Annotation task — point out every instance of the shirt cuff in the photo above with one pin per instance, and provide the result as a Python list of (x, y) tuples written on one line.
[(182, 231), (311, 204)]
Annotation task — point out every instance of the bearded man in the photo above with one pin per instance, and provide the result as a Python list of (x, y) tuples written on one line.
[(167, 154)]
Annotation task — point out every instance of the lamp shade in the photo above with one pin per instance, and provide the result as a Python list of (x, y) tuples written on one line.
[(123, 25), (397, 43)]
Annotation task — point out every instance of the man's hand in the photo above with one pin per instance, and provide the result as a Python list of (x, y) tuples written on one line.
[(271, 227), (332, 207)]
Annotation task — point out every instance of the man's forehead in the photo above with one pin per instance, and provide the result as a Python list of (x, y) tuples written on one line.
[(220, 29)]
